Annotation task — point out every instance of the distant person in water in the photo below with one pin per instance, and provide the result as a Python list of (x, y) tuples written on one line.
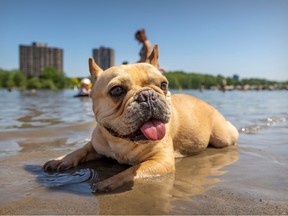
[(146, 49), (85, 87), (223, 85)]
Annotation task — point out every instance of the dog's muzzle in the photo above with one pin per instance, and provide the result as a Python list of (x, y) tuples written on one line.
[(146, 117)]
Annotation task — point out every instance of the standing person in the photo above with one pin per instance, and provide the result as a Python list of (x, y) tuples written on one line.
[(146, 49)]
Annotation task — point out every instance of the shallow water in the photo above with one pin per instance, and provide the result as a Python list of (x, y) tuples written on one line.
[(249, 178)]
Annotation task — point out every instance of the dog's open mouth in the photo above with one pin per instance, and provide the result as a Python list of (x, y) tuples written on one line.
[(153, 130)]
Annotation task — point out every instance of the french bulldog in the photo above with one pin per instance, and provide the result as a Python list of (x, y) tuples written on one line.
[(141, 124)]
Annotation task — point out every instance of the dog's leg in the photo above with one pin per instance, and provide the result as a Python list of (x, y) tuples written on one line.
[(146, 169), (84, 154), (223, 132)]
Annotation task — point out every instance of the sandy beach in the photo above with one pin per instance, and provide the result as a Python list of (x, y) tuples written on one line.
[(247, 179)]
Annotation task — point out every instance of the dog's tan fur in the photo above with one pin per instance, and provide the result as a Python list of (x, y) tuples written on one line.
[(191, 124)]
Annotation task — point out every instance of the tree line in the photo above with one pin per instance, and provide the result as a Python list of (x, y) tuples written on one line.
[(53, 79), (50, 78), (182, 80)]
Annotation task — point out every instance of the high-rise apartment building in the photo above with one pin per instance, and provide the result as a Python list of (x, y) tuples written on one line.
[(35, 58), (104, 57)]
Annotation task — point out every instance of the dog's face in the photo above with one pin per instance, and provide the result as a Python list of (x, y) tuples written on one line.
[(131, 102)]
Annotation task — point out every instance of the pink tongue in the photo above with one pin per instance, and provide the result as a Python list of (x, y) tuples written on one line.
[(153, 129)]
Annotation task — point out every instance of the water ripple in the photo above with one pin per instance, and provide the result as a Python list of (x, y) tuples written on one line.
[(62, 179), (263, 124)]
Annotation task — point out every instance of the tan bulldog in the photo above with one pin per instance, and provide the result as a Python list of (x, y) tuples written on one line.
[(140, 123)]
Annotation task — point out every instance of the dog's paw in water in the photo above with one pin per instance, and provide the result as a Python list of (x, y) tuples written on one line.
[(105, 185), (58, 165)]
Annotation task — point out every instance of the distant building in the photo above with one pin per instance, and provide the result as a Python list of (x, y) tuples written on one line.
[(104, 57), (35, 58)]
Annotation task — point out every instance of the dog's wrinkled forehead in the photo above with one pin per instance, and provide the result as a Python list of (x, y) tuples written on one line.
[(137, 72), (140, 74)]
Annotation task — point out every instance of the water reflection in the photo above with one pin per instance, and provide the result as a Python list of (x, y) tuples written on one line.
[(203, 170), (194, 175)]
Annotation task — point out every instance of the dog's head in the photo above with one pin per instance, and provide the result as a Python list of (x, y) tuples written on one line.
[(131, 102)]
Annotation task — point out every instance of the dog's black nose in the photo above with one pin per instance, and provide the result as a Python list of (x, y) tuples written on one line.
[(146, 95)]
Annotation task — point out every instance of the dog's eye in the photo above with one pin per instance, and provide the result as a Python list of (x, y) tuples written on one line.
[(164, 86), (117, 91)]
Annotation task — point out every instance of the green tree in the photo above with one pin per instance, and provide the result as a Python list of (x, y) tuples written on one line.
[(48, 84), (74, 81), (55, 76), (34, 83), (19, 79), (6, 79)]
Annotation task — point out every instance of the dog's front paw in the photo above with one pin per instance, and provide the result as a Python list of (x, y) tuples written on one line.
[(105, 185), (57, 164)]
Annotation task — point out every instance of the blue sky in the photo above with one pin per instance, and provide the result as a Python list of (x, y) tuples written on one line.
[(227, 37)]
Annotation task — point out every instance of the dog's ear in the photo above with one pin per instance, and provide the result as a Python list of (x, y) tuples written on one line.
[(94, 69), (153, 58)]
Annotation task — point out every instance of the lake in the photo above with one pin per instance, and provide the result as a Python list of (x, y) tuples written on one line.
[(250, 178)]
